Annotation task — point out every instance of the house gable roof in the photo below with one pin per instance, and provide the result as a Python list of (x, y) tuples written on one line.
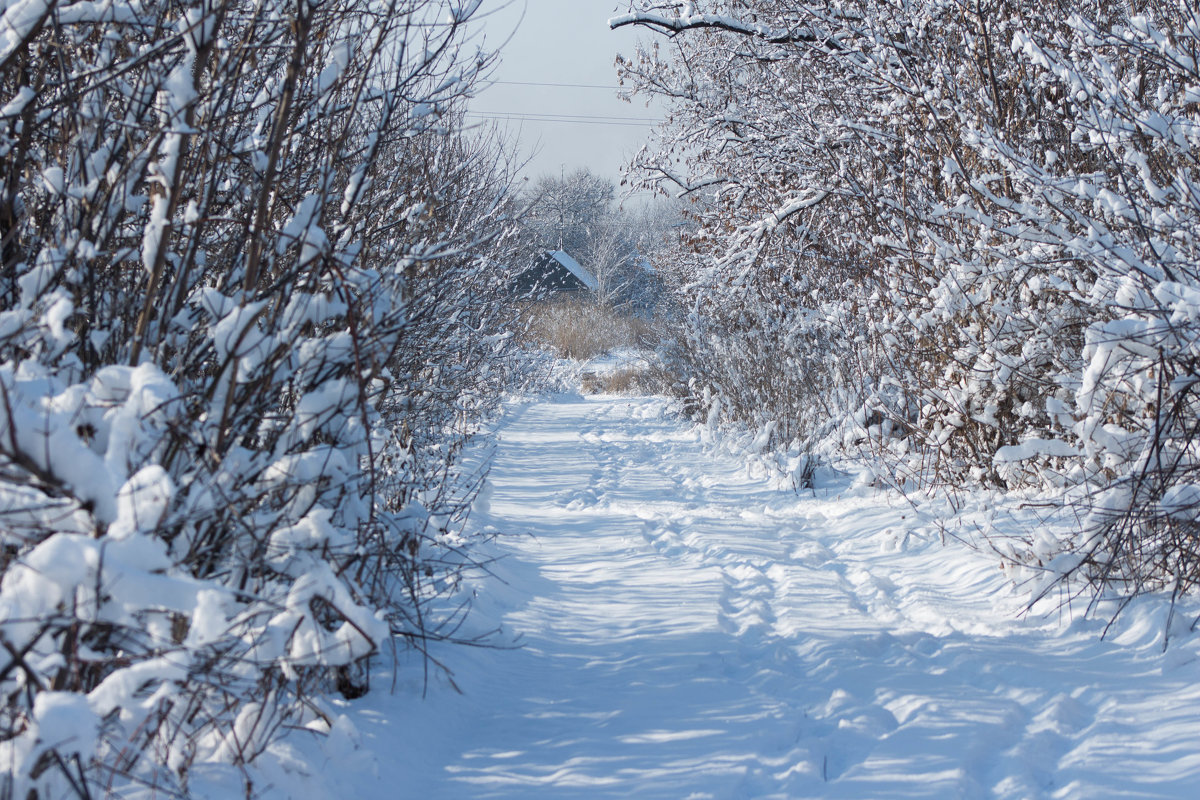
[(575, 268)]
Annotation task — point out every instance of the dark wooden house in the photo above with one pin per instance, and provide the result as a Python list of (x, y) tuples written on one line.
[(554, 272)]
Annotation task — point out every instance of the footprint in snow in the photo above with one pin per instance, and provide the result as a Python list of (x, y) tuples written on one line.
[(663, 539), (846, 729), (810, 554), (577, 499)]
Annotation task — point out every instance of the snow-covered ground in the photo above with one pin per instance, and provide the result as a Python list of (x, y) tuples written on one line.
[(686, 631)]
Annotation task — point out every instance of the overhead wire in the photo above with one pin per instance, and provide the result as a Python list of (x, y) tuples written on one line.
[(565, 85), (579, 119), (566, 115), (575, 119)]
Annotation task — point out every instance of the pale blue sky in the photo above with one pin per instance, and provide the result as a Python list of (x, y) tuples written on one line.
[(563, 42)]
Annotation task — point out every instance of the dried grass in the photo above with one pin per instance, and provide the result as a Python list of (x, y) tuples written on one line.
[(579, 329)]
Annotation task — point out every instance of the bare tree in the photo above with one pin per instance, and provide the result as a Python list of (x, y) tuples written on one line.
[(563, 210)]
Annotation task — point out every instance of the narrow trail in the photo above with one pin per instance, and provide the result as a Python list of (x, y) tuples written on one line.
[(688, 632)]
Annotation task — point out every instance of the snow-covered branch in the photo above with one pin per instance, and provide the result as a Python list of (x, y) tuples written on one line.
[(678, 24)]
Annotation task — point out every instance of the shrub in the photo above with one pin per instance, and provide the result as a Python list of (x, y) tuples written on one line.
[(970, 232), (247, 320)]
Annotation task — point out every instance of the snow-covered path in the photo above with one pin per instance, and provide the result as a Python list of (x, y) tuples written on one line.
[(688, 632)]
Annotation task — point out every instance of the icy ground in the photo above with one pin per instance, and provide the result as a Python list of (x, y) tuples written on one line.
[(689, 632)]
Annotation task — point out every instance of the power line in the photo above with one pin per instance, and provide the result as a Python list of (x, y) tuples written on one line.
[(518, 118), (566, 85), (603, 117)]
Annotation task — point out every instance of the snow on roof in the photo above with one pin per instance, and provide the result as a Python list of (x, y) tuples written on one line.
[(575, 269)]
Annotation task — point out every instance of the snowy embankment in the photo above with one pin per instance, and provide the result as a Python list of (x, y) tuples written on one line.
[(686, 631)]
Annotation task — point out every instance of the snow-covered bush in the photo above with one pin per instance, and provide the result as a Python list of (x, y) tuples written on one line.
[(772, 286), (984, 218), (247, 320), (1119, 197)]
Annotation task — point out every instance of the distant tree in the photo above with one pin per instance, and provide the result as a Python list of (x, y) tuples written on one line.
[(564, 210)]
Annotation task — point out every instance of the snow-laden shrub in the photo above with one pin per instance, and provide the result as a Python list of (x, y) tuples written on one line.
[(767, 351), (843, 242), (773, 289), (998, 201), (247, 322), (1121, 198)]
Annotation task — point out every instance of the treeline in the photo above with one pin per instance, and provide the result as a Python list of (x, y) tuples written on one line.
[(248, 318), (961, 234)]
